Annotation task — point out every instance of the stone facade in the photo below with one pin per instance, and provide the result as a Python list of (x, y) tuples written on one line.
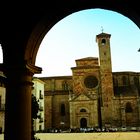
[(38, 92), (56, 100), (93, 96)]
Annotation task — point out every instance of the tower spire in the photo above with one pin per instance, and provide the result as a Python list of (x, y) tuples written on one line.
[(102, 29)]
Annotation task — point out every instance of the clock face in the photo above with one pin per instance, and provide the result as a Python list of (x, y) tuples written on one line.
[(90, 81)]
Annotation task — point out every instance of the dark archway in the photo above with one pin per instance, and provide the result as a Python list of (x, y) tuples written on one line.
[(22, 29), (83, 123)]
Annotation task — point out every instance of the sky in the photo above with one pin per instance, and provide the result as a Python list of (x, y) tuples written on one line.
[(74, 36)]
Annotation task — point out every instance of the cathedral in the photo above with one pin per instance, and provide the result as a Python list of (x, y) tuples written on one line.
[(93, 96)]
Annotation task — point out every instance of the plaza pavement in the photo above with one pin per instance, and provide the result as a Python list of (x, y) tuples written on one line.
[(87, 136)]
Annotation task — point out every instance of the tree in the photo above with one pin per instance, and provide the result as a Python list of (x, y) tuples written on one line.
[(35, 109)]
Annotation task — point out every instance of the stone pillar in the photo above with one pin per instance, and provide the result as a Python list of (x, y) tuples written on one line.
[(18, 102), (122, 111), (123, 116), (138, 104)]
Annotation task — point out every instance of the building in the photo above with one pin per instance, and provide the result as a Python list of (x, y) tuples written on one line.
[(93, 96), (25, 38), (38, 91), (2, 101)]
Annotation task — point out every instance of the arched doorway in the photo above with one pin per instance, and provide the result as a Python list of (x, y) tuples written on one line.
[(83, 123)]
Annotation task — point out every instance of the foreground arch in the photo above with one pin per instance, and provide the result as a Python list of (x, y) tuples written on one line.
[(22, 29)]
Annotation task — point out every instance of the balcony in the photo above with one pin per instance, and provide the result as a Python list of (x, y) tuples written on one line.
[(41, 120), (41, 108)]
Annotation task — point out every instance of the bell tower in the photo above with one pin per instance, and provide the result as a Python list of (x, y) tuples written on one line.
[(106, 78)]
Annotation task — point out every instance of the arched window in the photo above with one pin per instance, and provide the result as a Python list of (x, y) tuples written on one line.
[(128, 108), (83, 110), (83, 123), (124, 80), (64, 85), (62, 110), (115, 81), (136, 81), (103, 42)]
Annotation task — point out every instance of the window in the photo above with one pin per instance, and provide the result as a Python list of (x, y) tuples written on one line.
[(91, 81), (62, 110), (136, 81), (103, 42), (40, 94), (83, 110), (65, 85), (40, 91), (128, 108), (40, 128), (124, 80), (115, 81)]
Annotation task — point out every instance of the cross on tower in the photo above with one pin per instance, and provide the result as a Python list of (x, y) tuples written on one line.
[(102, 29)]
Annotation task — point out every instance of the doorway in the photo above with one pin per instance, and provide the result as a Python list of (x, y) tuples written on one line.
[(83, 123)]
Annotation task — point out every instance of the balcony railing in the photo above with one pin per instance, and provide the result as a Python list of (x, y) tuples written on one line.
[(41, 120), (41, 108)]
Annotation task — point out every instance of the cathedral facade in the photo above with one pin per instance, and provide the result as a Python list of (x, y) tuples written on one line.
[(93, 96)]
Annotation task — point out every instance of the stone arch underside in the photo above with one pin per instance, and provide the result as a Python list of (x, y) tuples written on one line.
[(21, 31), (45, 24)]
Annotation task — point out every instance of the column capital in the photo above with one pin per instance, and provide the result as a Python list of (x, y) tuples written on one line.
[(32, 68), (19, 74), (25, 66)]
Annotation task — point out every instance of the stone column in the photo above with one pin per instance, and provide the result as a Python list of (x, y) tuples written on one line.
[(123, 116), (18, 102), (138, 104)]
